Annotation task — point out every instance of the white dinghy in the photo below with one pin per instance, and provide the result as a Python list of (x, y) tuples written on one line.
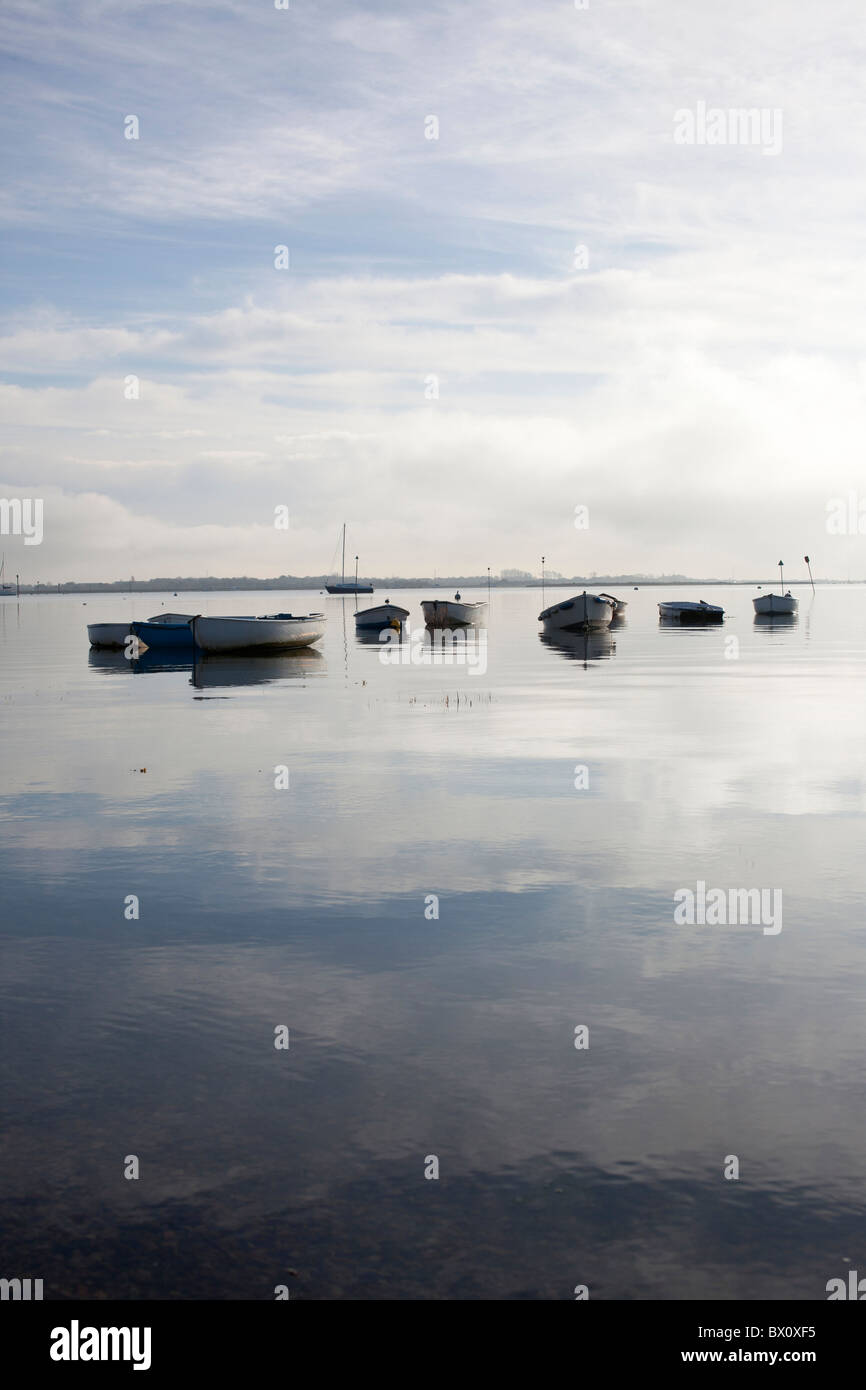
[(777, 604), (278, 630), (680, 612), (582, 613), (446, 612), (108, 634)]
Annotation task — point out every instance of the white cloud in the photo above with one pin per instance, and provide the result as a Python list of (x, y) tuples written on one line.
[(699, 385)]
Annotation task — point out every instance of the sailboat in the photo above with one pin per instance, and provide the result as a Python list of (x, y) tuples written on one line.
[(4, 587), (350, 588)]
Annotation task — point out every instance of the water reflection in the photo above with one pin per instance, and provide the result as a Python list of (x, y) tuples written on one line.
[(378, 637), (225, 669), (107, 659), (206, 670), (558, 903), (771, 621), (581, 646)]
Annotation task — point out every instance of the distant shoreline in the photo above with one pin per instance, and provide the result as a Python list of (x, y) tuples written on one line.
[(287, 582)]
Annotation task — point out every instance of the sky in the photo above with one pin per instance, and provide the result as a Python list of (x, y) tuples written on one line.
[(514, 287)]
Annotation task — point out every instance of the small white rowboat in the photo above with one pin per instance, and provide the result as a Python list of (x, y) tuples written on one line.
[(108, 634), (445, 612), (279, 630), (581, 613), (775, 603)]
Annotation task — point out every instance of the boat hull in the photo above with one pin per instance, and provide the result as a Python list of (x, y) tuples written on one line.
[(276, 632), (349, 588), (442, 612), (581, 613), (781, 605), (385, 615), (108, 634), (691, 613), (164, 634)]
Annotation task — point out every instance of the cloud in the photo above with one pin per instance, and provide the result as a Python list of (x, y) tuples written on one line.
[(435, 364)]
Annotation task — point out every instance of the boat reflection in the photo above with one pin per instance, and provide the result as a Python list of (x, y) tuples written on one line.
[(207, 670), (211, 670), (111, 659), (594, 645), (773, 621), (107, 659), (379, 637)]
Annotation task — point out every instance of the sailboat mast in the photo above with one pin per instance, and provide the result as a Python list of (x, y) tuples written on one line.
[(343, 569)]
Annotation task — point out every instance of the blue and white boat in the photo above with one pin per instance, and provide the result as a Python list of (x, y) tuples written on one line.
[(166, 630), (385, 614)]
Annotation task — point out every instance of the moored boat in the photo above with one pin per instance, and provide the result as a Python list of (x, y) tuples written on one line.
[(780, 604), (108, 634), (448, 612), (166, 630), (385, 614), (682, 612), (345, 587), (777, 604), (276, 630), (581, 612), (619, 605)]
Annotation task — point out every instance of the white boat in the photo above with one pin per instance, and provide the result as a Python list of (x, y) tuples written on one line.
[(108, 634), (681, 612), (777, 604), (448, 612), (115, 634), (277, 630), (385, 614), (581, 613), (619, 605), (781, 605)]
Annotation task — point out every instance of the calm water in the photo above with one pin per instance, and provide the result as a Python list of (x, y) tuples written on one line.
[(414, 1036)]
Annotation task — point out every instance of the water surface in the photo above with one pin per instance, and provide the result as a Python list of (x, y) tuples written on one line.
[(732, 755)]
